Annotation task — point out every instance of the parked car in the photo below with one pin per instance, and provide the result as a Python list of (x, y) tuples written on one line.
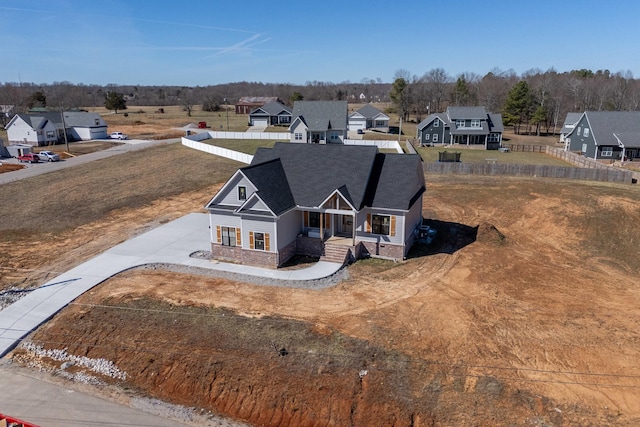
[(118, 135), (360, 132), (29, 157), (48, 156)]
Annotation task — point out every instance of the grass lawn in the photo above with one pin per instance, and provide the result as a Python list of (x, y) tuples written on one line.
[(248, 146), (430, 154)]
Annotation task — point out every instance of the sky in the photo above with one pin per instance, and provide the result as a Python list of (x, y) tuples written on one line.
[(209, 42)]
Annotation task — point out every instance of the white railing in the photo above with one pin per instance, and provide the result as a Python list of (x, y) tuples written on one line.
[(391, 145), (285, 136), (218, 151)]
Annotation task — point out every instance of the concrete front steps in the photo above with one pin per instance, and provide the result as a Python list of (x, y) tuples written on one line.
[(339, 253)]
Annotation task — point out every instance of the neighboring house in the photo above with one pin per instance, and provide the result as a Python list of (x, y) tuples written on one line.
[(368, 117), (606, 135), (462, 125), (337, 201), (273, 113), (319, 122), (248, 103), (568, 126), (48, 128)]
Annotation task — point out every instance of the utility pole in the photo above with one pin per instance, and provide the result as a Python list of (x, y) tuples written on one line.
[(226, 107), (64, 127)]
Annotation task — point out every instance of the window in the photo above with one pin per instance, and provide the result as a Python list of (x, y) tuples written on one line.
[(97, 122), (586, 132), (584, 148), (334, 136), (50, 134), (435, 137), (380, 224), (426, 136), (493, 137), (297, 136), (258, 241), (436, 124), (242, 193), (579, 131), (607, 151), (314, 219), (475, 123), (228, 236)]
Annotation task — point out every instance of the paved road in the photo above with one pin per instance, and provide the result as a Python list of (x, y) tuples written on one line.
[(51, 405), (41, 168)]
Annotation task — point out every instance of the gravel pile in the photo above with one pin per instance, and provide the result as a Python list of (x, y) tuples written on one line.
[(13, 294)]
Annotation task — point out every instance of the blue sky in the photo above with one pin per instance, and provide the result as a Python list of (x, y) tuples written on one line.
[(199, 42)]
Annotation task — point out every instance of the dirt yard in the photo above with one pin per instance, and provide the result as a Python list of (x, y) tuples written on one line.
[(525, 311)]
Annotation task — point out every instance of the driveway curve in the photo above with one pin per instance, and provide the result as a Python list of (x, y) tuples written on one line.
[(171, 243)]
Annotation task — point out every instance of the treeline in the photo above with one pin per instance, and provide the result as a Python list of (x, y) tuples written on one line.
[(531, 101)]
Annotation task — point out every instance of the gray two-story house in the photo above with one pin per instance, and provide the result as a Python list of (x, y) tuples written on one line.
[(606, 135), (462, 125)]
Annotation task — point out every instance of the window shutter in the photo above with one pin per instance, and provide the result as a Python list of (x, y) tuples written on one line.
[(327, 220), (251, 245), (238, 237), (367, 225), (392, 230), (306, 218), (218, 234), (266, 242)]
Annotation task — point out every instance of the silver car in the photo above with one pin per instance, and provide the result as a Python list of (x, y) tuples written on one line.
[(48, 156)]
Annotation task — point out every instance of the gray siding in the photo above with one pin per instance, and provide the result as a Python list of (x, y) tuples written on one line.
[(259, 225), (289, 226), (231, 196), (587, 145), (442, 133), (361, 218)]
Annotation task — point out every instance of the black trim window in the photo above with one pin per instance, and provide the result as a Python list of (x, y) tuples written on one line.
[(380, 224), (228, 236), (258, 241), (314, 219), (242, 193)]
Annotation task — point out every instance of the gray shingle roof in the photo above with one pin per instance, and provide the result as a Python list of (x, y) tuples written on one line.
[(604, 124), (273, 187), (432, 117), (369, 111), (400, 181), (272, 108), (495, 122), (321, 115), (71, 119), (313, 172), (466, 113)]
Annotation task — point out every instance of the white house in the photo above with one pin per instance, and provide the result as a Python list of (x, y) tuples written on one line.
[(48, 128), (319, 122)]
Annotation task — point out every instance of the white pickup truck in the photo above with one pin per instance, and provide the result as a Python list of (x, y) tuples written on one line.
[(118, 135)]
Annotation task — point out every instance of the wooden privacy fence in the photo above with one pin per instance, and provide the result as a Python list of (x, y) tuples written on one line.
[(609, 175)]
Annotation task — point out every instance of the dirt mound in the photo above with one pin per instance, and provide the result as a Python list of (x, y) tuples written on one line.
[(488, 233)]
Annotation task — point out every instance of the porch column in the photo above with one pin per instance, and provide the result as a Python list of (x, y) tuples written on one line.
[(353, 229), (321, 226)]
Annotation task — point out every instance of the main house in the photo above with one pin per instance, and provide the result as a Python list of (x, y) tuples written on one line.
[(319, 122), (273, 113), (368, 117), (318, 200), (606, 135), (462, 125), (45, 128)]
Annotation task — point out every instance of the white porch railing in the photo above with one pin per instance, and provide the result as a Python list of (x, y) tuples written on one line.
[(391, 145)]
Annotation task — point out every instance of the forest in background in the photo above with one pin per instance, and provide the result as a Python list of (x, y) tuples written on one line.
[(533, 101)]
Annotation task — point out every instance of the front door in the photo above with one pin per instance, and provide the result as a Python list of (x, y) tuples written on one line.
[(347, 225)]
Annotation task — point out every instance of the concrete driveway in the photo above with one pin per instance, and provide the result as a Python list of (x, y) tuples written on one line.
[(171, 243)]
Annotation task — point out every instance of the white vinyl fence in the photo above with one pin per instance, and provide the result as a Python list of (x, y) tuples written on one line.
[(218, 151), (391, 145)]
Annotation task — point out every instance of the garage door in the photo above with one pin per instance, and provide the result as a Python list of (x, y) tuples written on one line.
[(260, 122), (357, 125)]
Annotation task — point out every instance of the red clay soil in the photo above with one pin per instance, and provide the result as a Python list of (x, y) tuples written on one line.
[(518, 314)]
